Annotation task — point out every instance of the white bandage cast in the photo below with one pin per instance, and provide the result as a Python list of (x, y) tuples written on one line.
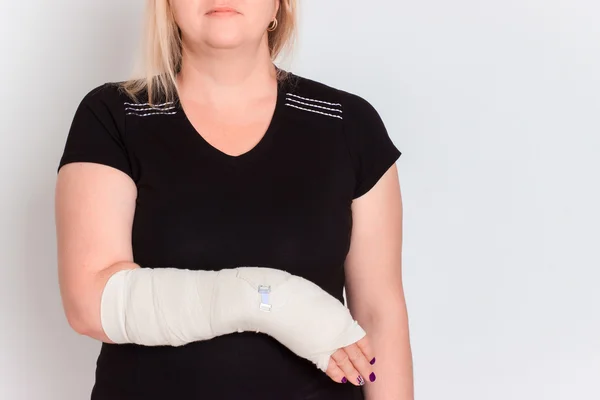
[(168, 306)]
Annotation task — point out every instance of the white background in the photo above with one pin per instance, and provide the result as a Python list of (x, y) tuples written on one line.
[(496, 108)]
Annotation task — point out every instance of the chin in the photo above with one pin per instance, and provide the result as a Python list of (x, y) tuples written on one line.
[(225, 40)]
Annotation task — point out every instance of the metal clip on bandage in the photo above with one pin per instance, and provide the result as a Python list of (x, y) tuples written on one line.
[(264, 297)]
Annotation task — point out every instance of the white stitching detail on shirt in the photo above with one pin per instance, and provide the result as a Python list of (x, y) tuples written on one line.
[(316, 101), (146, 110), (315, 111), (148, 104), (151, 113), (314, 105), (150, 109)]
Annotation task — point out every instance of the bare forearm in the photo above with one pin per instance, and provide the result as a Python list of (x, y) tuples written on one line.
[(389, 336)]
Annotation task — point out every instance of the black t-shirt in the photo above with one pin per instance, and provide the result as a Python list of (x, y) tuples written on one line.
[(283, 204)]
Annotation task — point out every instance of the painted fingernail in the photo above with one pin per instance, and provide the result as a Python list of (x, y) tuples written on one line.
[(373, 361), (372, 377), (344, 380), (361, 381)]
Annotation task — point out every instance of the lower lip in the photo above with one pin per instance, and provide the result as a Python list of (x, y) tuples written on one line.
[(221, 13)]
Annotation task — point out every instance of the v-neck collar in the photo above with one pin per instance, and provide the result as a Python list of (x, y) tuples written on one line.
[(258, 149)]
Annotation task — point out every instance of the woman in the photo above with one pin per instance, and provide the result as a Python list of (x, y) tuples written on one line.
[(217, 160)]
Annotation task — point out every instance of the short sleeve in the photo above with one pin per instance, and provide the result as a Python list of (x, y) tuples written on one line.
[(371, 148), (96, 132)]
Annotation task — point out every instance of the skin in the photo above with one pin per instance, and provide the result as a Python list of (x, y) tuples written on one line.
[(374, 288), (227, 71)]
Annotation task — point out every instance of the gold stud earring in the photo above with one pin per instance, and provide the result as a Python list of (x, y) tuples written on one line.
[(273, 25)]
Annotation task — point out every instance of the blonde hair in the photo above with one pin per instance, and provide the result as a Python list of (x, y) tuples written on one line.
[(162, 58)]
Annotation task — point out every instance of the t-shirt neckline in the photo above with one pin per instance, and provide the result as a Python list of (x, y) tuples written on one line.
[(258, 148)]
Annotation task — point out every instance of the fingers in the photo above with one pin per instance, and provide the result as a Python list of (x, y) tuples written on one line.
[(354, 362), (335, 372), (366, 349), (361, 363), (343, 361)]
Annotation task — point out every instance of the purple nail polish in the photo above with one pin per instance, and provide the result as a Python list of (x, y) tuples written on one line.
[(361, 381), (344, 380), (373, 361), (372, 377)]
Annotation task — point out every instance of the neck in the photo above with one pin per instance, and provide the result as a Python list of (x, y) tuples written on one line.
[(217, 76)]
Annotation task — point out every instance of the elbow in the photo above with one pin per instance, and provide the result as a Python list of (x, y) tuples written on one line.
[(82, 320), (82, 302), (79, 323)]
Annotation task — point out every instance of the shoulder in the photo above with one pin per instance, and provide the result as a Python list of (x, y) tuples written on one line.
[(305, 93), (109, 103), (109, 94), (103, 106)]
